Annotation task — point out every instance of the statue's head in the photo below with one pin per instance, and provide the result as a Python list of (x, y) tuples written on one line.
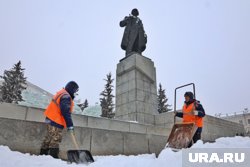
[(135, 12)]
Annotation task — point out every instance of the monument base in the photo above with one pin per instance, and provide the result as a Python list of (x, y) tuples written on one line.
[(136, 92)]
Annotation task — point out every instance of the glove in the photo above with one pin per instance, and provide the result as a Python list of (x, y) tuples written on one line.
[(196, 112), (70, 129), (176, 112)]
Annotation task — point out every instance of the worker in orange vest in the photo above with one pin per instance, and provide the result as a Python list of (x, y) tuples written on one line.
[(58, 117), (192, 111)]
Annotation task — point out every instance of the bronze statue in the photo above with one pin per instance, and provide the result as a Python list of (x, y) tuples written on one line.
[(134, 37)]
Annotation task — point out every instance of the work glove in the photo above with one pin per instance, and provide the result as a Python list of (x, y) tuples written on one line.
[(196, 112), (70, 129), (177, 112)]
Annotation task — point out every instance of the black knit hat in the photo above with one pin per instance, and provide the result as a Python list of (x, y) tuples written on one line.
[(189, 94), (72, 87), (135, 12)]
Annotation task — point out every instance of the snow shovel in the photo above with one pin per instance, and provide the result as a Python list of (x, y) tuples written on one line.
[(79, 156), (182, 133)]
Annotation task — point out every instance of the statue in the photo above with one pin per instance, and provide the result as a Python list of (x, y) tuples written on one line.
[(134, 37)]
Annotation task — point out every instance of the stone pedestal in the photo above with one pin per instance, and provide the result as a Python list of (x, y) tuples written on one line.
[(136, 92)]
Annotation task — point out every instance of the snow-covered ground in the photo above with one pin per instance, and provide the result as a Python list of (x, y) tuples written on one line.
[(167, 157)]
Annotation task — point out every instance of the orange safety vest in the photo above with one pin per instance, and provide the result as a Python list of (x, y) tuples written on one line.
[(191, 118), (53, 111)]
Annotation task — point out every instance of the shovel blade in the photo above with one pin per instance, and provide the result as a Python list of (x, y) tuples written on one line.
[(181, 135), (79, 156)]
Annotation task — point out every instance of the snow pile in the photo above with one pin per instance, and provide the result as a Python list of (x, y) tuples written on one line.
[(167, 157), (226, 142)]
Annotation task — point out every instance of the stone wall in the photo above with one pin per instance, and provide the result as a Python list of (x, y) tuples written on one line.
[(243, 119), (22, 129), (213, 127), (26, 137)]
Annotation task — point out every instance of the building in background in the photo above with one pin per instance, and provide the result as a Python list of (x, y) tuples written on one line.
[(242, 117)]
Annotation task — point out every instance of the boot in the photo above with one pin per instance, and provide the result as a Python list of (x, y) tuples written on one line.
[(44, 151), (54, 152)]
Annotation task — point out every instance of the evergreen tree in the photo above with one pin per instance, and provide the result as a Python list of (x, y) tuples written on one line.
[(14, 83), (103, 103), (84, 105), (162, 101), (107, 98)]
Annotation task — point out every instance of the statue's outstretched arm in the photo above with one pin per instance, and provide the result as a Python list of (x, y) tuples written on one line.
[(124, 22)]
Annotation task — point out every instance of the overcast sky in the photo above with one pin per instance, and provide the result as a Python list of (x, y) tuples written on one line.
[(202, 41)]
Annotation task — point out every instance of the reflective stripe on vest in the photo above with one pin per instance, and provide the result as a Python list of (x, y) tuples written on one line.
[(53, 111), (189, 117)]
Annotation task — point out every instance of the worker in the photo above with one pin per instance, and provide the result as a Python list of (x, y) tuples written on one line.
[(58, 117), (192, 111)]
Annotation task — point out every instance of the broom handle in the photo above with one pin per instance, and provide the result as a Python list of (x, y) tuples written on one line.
[(74, 140)]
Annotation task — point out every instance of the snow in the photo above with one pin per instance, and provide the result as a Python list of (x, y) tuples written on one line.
[(167, 157)]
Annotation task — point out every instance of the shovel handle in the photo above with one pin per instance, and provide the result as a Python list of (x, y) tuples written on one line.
[(175, 96), (73, 137), (174, 118)]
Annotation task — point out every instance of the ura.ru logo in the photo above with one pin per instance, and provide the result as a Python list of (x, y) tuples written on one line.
[(215, 158)]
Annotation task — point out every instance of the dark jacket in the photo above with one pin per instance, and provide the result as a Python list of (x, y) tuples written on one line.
[(134, 29)]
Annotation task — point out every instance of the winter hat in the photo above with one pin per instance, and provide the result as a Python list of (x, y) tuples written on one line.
[(135, 12), (190, 95), (72, 87)]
